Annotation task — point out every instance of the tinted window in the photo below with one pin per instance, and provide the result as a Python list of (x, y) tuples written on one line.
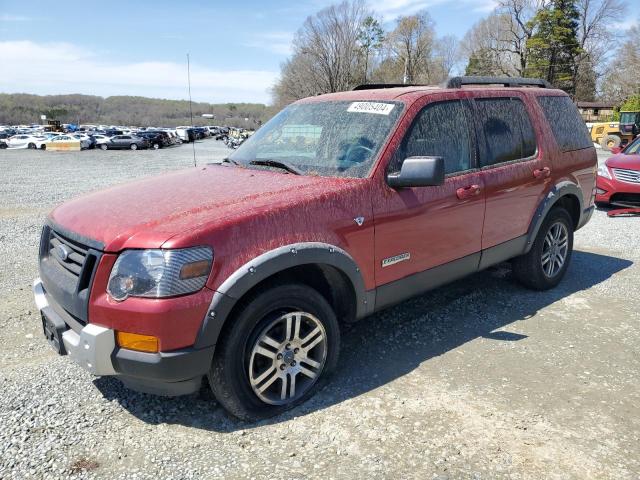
[(567, 126), (508, 134), (439, 130)]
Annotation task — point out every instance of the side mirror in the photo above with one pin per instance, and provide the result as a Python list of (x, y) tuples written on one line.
[(418, 172)]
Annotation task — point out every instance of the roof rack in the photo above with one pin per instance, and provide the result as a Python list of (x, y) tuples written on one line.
[(377, 86), (459, 82)]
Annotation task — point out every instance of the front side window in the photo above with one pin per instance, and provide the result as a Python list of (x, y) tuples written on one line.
[(508, 134), (340, 139), (439, 130)]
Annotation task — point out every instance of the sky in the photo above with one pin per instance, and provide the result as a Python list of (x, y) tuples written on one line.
[(140, 47)]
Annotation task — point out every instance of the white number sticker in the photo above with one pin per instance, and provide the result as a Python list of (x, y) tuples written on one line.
[(371, 107)]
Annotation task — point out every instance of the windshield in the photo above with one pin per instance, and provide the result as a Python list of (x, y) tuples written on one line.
[(634, 148), (340, 139), (630, 118)]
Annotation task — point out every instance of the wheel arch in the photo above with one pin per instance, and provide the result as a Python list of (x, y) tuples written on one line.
[(327, 268), (565, 194)]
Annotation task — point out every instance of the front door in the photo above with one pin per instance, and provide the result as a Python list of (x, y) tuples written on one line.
[(419, 228)]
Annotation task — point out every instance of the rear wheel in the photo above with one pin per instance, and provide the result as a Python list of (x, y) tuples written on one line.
[(156, 146), (277, 351), (43, 147), (133, 146), (547, 261)]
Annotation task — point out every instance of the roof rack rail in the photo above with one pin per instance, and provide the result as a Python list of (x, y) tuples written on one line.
[(458, 82), (377, 86)]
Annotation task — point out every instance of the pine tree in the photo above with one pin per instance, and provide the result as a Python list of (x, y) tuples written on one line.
[(554, 47), (480, 63)]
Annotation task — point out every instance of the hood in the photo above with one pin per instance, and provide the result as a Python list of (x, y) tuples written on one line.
[(146, 213), (630, 162)]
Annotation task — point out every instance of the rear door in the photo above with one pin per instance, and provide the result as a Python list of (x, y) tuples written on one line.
[(515, 172)]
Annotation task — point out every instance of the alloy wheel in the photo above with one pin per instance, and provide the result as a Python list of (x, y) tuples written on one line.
[(554, 249), (287, 358)]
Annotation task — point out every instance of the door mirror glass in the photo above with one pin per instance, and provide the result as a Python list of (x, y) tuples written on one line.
[(418, 172)]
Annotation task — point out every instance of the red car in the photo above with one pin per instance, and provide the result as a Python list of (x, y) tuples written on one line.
[(618, 181), (338, 207)]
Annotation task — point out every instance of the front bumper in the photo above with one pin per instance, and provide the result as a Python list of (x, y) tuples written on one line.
[(94, 348), (613, 190)]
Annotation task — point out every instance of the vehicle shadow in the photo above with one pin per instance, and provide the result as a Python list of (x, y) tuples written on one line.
[(392, 343)]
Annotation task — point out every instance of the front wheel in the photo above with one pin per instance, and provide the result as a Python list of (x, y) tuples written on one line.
[(104, 146), (133, 146), (275, 353), (32, 146), (547, 261)]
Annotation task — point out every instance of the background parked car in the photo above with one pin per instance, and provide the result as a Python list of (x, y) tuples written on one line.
[(26, 141), (122, 142), (156, 138)]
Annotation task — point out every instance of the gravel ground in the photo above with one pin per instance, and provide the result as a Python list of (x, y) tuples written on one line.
[(479, 379)]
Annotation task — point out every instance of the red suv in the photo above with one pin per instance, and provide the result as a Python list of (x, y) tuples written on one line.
[(340, 206)]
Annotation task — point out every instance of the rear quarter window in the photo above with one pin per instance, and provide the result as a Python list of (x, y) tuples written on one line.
[(567, 126)]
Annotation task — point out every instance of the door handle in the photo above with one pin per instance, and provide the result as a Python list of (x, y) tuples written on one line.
[(542, 172), (468, 192)]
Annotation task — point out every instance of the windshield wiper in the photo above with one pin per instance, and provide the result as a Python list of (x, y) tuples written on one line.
[(277, 164)]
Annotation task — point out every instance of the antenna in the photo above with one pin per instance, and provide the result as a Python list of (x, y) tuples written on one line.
[(191, 109)]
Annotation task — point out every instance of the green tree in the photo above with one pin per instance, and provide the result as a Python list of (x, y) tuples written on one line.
[(631, 104), (554, 47), (480, 63), (370, 38)]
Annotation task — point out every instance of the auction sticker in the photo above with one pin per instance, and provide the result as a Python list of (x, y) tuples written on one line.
[(371, 107)]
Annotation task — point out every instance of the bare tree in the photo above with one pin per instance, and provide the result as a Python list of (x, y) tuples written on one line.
[(446, 55), (411, 44), (622, 79), (597, 39)]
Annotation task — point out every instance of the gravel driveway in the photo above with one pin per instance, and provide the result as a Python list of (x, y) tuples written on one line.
[(479, 379)]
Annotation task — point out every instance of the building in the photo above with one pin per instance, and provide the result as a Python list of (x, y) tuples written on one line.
[(592, 112)]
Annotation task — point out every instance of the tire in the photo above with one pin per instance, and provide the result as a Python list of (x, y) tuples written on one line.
[(602, 205), (530, 269), (31, 146), (104, 146), (133, 146), (156, 146), (237, 364), (43, 147), (610, 141)]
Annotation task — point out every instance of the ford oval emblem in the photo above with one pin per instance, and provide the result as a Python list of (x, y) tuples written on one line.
[(63, 252)]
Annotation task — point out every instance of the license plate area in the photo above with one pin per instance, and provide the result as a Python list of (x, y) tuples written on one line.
[(53, 328)]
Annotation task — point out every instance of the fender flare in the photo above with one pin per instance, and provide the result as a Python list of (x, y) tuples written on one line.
[(270, 263), (555, 194)]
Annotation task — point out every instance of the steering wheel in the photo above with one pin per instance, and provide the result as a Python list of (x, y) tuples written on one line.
[(353, 151)]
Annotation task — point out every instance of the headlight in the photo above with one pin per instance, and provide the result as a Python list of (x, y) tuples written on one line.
[(603, 171), (159, 273)]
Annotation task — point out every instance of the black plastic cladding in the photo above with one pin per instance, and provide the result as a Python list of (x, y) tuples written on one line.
[(71, 294)]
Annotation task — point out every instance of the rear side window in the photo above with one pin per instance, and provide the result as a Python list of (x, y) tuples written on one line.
[(439, 130), (508, 134), (567, 126)]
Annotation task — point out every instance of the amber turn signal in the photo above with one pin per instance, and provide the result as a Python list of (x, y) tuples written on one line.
[(135, 341), (195, 269)]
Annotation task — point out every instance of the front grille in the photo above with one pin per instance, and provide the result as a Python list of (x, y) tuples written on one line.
[(69, 254), (67, 266), (625, 175)]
